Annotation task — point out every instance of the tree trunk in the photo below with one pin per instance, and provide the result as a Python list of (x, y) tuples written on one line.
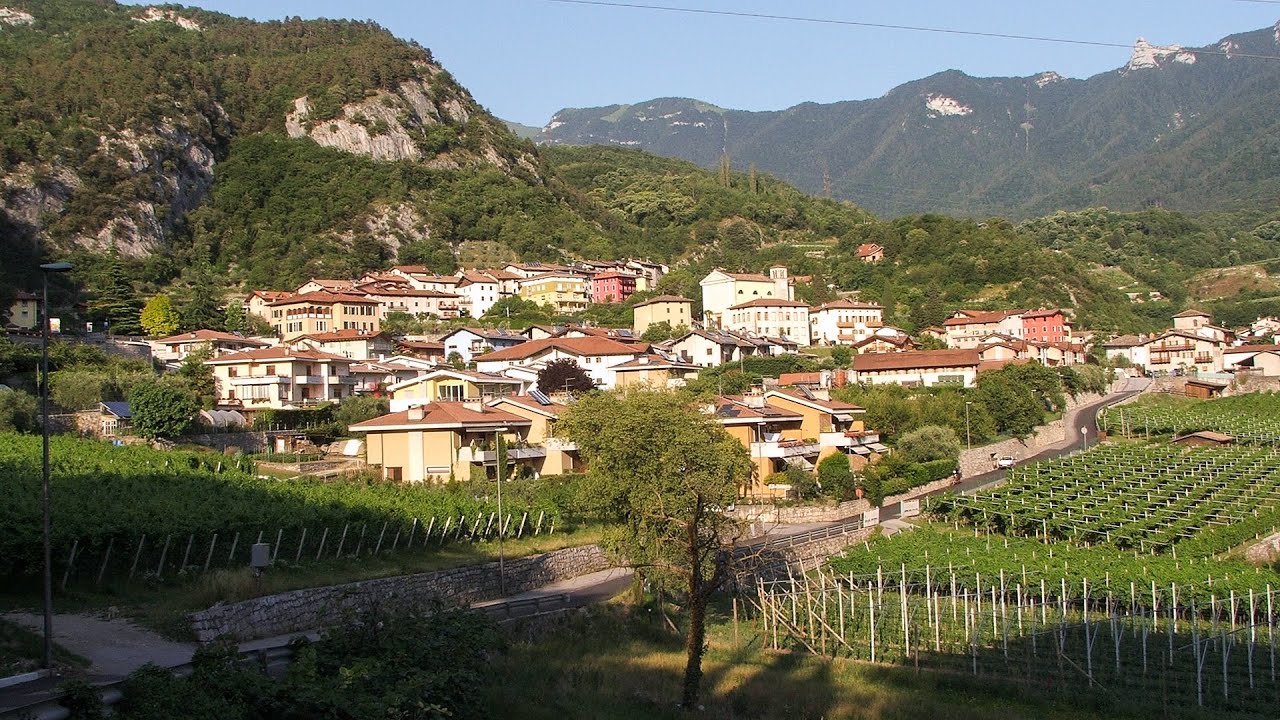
[(694, 641)]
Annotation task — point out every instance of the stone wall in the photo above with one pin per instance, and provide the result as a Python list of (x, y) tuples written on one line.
[(782, 561), (797, 514), (311, 608), (978, 460)]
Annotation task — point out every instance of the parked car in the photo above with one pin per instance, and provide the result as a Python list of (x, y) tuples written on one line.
[(1005, 462)]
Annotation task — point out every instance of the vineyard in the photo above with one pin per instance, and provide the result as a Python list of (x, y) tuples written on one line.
[(1249, 418), (137, 511), (1143, 497)]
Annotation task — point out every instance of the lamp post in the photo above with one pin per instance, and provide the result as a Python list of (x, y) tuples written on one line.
[(498, 462), (58, 267), (968, 440)]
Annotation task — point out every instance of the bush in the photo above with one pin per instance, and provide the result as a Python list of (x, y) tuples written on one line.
[(835, 477), (17, 411), (162, 410), (803, 484), (358, 409), (931, 442)]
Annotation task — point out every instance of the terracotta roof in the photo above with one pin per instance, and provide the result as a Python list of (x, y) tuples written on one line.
[(554, 409), (420, 345), (593, 346), (1192, 313), (800, 378), (902, 340), (651, 360), (407, 292), (612, 274), (1123, 341), (444, 415), (748, 277), (277, 353), (330, 283), (566, 274), (847, 305), (272, 294), (979, 317), (325, 298), (727, 410), (664, 299), (502, 275), (1042, 312), (1252, 348), (833, 405), (196, 336), (475, 276), (916, 360), (343, 335), (770, 302), (866, 249), (488, 334)]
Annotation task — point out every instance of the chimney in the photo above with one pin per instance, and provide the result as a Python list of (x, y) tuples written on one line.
[(474, 404), (416, 413)]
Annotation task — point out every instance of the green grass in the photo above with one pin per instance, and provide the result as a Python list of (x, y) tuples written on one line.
[(616, 662), (164, 607), (21, 650)]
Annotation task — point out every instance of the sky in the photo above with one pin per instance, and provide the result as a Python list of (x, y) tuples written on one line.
[(526, 59)]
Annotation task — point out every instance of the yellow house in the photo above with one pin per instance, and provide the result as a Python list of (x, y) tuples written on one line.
[(24, 312), (837, 426), (671, 309), (445, 441), (562, 454), (322, 312), (448, 385), (565, 293)]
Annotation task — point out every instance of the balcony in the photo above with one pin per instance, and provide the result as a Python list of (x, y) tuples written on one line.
[(842, 439), (309, 379), (257, 379), (340, 380), (785, 449), (488, 457)]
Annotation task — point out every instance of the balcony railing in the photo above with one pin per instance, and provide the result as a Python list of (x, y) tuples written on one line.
[(257, 379), (476, 455), (785, 449)]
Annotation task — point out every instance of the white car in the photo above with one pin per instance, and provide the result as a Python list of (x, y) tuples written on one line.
[(1005, 462)]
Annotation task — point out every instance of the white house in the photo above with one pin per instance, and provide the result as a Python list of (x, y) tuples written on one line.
[(844, 322), (967, 328), (469, 342), (596, 355), (927, 368), (722, 290), (478, 292), (770, 317)]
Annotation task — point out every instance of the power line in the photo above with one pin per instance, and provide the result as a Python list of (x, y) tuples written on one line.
[(891, 26)]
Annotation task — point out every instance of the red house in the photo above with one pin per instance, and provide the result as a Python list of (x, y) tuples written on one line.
[(1046, 326), (612, 287)]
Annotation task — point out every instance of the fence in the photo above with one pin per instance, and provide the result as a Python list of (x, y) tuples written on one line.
[(1139, 642), (162, 558)]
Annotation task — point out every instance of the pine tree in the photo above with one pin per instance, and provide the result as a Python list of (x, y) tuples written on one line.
[(236, 319), (200, 306), (114, 300)]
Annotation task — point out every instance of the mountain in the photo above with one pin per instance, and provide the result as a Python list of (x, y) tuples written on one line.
[(1190, 129), (524, 132)]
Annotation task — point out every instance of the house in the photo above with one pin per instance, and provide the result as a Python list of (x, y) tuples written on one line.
[(477, 292), (325, 285), (413, 301), (722, 290), (533, 269), (886, 340), (926, 368), (674, 310), (838, 426), (870, 253), (966, 328), (564, 292), (1183, 351), (612, 287), (1129, 347), (647, 273), (114, 418), (281, 378), (542, 332), (596, 355), (320, 312), (1204, 438), (422, 349), (257, 301), (178, 347), (450, 385), (655, 371), (354, 344), (1190, 320), (935, 332), (444, 441), (373, 376), (1046, 326), (508, 282), (420, 277), (844, 322), (24, 312), (770, 317), (710, 348), (1257, 359), (468, 342), (543, 414)]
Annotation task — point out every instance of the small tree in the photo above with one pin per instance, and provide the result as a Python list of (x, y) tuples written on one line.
[(198, 377), (161, 409), (564, 374), (17, 411), (662, 470), (357, 409), (159, 319), (841, 356), (836, 477), (236, 318), (930, 442)]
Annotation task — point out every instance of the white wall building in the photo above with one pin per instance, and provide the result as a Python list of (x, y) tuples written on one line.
[(722, 290), (844, 322), (770, 318)]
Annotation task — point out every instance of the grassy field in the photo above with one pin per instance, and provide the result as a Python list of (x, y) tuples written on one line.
[(615, 662)]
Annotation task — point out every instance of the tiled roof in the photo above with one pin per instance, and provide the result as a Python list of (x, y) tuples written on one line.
[(277, 353), (1192, 313), (834, 405), (407, 292), (343, 335), (1252, 348), (1123, 341), (915, 360), (1042, 312), (979, 317), (324, 298), (196, 336), (847, 305), (650, 361), (443, 414), (866, 249), (770, 302), (748, 277), (583, 346), (554, 409)]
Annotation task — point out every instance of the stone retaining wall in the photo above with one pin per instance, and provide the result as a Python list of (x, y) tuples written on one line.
[(312, 608), (784, 561), (978, 460), (797, 514)]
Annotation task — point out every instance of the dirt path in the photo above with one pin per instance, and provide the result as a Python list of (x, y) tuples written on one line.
[(113, 647)]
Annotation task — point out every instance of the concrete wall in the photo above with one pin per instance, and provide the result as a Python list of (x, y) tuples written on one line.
[(978, 460), (311, 608)]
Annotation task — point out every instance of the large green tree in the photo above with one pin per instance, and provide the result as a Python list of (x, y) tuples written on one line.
[(162, 409), (662, 471), (114, 300), (159, 319)]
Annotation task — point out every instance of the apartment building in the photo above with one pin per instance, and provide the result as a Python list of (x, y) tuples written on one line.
[(281, 378), (321, 312)]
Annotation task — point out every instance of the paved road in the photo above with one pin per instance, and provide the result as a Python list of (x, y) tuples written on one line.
[(1085, 416)]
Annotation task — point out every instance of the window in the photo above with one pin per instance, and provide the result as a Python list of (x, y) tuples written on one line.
[(233, 372), (271, 370)]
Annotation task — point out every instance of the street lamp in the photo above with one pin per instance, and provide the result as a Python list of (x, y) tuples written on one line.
[(498, 462), (57, 267), (968, 440)]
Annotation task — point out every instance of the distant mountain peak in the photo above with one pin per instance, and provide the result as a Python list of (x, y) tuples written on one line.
[(1146, 56)]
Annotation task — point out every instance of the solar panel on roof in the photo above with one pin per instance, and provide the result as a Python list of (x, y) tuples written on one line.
[(540, 396), (807, 393)]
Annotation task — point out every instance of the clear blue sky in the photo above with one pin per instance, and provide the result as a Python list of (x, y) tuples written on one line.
[(526, 59)]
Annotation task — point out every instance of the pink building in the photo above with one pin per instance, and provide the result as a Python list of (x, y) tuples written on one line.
[(612, 287), (1045, 326)]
